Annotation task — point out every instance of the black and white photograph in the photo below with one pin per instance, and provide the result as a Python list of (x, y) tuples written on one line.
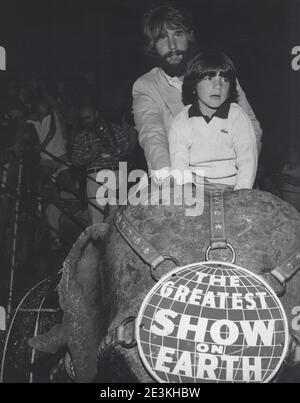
[(149, 193)]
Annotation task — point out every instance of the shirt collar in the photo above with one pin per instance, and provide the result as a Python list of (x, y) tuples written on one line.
[(222, 112), (173, 81)]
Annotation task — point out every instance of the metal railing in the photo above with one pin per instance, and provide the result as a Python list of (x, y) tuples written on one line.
[(16, 196), (68, 165)]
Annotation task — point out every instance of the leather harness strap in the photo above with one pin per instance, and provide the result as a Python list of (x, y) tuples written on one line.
[(117, 336), (287, 269), (111, 340), (217, 221), (141, 247), (151, 257)]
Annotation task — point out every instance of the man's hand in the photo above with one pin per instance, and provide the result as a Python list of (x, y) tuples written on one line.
[(159, 175), (180, 177)]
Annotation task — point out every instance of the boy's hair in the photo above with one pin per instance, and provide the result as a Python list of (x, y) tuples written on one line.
[(158, 19), (207, 64)]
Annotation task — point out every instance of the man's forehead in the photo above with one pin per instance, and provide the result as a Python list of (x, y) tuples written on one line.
[(170, 28)]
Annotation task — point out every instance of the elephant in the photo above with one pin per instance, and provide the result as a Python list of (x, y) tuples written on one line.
[(104, 280)]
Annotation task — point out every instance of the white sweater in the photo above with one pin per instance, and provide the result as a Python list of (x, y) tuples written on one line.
[(224, 148)]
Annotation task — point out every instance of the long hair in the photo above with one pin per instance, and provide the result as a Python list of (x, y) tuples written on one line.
[(158, 19), (207, 64)]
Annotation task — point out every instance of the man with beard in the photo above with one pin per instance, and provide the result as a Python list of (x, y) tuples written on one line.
[(157, 94)]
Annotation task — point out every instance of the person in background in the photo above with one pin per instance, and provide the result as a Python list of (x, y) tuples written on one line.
[(98, 147), (116, 104), (52, 145), (54, 160), (290, 178)]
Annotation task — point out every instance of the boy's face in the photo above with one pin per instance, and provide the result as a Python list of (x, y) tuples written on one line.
[(212, 91)]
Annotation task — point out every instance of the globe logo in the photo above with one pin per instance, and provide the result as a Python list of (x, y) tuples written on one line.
[(212, 322)]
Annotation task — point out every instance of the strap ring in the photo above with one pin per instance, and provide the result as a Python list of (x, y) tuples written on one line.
[(131, 343), (228, 245)]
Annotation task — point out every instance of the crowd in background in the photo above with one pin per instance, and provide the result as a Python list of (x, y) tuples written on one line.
[(54, 137)]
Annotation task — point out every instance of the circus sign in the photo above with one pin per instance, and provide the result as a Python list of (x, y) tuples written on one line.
[(212, 322)]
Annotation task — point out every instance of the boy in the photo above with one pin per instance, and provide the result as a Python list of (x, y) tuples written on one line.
[(213, 133)]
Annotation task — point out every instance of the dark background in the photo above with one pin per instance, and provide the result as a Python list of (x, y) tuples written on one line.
[(64, 38)]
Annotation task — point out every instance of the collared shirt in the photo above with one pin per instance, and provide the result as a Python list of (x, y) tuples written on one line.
[(223, 146), (99, 147), (173, 81)]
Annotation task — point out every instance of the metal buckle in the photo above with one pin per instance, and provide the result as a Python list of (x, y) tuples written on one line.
[(171, 258), (228, 245), (269, 277), (121, 330)]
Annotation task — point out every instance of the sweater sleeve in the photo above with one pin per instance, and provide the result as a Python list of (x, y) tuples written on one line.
[(148, 120), (245, 147)]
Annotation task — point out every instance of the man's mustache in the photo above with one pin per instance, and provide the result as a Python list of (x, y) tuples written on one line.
[(174, 53)]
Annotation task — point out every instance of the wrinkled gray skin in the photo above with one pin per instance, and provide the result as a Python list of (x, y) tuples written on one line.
[(104, 281)]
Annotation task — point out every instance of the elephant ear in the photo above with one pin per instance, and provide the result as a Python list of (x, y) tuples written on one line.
[(81, 296), (94, 234), (79, 271)]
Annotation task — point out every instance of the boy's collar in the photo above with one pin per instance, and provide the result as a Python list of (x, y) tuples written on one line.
[(222, 112)]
